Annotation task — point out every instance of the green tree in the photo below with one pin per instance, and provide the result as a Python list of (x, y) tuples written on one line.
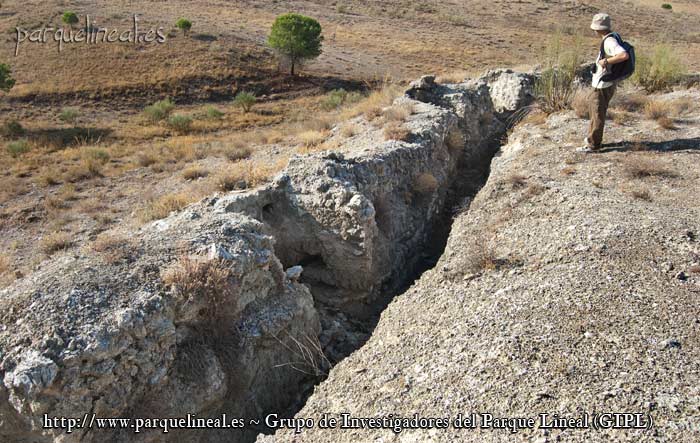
[(70, 18), (296, 38), (6, 80), (184, 25)]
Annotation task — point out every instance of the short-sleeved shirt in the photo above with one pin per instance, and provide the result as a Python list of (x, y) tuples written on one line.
[(611, 48)]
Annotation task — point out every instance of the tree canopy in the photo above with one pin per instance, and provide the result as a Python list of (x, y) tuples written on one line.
[(6, 80), (296, 37)]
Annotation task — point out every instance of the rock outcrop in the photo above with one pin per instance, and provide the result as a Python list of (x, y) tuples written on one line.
[(564, 290), (216, 309)]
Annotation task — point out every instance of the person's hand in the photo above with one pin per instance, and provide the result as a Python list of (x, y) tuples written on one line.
[(603, 63)]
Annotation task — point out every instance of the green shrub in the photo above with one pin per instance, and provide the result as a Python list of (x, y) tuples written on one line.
[(182, 124), (334, 99), (6, 80), (159, 111), (554, 87), (12, 129), (184, 25), (70, 18), (213, 114), (17, 148), (96, 154), (659, 71), (245, 101), (296, 38), (667, 6), (68, 115)]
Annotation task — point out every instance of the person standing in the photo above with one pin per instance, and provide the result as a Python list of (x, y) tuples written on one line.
[(611, 53)]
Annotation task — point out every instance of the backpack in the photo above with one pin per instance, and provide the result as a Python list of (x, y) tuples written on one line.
[(619, 71)]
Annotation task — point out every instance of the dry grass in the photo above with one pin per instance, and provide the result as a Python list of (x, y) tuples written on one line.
[(235, 153), (655, 109), (372, 106), (629, 102), (194, 172), (640, 167), (516, 180), (453, 77), (666, 123), (349, 130), (636, 191), (425, 183), (580, 103), (481, 255), (249, 173), (55, 242), (534, 117), (164, 206), (112, 248), (394, 131), (6, 267), (311, 140), (399, 113), (207, 283), (620, 117), (569, 170)]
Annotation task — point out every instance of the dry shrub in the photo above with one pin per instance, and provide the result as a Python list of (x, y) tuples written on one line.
[(452, 77), (455, 141), (516, 180), (641, 194), (480, 254), (54, 203), (112, 248), (425, 183), (666, 123), (680, 106), (655, 109), (146, 159), (349, 130), (249, 173), (394, 131), (620, 117), (5, 266), (55, 242), (194, 172), (534, 117), (399, 113), (580, 103), (235, 153), (49, 177), (163, 206), (319, 124), (638, 167), (87, 169), (630, 102), (371, 107), (312, 139), (569, 170), (208, 283), (534, 189)]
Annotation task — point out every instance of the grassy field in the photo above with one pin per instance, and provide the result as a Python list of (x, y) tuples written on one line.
[(89, 162)]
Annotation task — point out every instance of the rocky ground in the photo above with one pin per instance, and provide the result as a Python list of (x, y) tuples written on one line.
[(570, 286)]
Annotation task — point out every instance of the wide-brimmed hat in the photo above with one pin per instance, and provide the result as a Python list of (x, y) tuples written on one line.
[(601, 22)]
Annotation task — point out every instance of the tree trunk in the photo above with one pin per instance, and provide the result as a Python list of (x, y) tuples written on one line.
[(293, 67)]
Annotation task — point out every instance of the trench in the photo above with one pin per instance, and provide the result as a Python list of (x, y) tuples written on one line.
[(468, 178)]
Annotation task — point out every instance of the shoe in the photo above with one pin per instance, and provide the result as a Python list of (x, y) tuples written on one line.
[(584, 149)]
